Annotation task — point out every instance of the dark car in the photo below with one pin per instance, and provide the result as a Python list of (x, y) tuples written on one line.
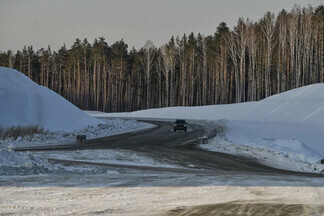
[(180, 124)]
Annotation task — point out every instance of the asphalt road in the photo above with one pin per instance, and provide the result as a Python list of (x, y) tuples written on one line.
[(179, 148)]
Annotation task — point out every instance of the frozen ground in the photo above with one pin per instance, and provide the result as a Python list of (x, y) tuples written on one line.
[(161, 200)]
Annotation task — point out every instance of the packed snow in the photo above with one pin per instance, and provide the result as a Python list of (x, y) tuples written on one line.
[(162, 200), (284, 131), (23, 102)]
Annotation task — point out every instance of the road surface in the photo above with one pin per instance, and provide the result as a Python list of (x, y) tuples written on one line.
[(177, 148)]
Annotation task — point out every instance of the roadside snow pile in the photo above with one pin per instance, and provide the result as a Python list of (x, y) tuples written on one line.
[(108, 127), (23, 102), (13, 163), (21, 163), (284, 131), (272, 144)]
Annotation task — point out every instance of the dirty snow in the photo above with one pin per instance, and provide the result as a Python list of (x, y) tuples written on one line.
[(13, 163), (106, 156), (135, 201), (108, 127)]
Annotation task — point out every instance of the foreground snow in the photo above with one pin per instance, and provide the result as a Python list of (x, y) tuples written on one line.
[(23, 102), (58, 200), (284, 131)]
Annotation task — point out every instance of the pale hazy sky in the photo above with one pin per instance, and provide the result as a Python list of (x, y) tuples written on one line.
[(54, 22)]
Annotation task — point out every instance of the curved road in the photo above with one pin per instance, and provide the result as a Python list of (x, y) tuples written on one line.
[(179, 148)]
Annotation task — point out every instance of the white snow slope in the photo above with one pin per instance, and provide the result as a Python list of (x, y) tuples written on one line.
[(23, 102), (285, 130), (303, 105)]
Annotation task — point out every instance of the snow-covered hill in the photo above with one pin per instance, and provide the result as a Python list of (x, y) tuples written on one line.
[(303, 105), (23, 102), (285, 130)]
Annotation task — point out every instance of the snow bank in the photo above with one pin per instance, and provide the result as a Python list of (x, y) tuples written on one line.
[(285, 146), (19, 163), (13, 163), (109, 127), (303, 105), (23, 102)]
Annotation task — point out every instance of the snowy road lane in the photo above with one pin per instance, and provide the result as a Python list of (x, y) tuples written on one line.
[(165, 146)]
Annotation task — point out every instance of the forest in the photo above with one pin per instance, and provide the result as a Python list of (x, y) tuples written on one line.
[(252, 61)]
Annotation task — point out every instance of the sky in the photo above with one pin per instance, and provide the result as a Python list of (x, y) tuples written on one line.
[(47, 22)]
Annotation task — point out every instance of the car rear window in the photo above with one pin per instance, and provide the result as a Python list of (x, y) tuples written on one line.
[(180, 121)]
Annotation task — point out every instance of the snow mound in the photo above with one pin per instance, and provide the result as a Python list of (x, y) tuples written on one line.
[(285, 146), (303, 105), (23, 102), (12, 163)]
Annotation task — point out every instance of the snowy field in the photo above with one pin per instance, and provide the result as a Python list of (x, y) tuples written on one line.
[(284, 131)]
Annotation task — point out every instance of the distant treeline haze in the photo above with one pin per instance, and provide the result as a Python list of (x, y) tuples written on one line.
[(248, 63)]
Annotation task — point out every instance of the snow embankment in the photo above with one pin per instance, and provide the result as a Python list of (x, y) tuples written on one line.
[(303, 105), (23, 102), (285, 130), (285, 146)]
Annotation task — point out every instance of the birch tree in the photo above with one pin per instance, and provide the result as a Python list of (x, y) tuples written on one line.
[(147, 61)]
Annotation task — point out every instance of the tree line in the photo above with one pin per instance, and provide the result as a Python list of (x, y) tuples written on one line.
[(250, 62)]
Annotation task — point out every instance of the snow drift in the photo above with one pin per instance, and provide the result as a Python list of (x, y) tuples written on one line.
[(303, 105), (23, 102)]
